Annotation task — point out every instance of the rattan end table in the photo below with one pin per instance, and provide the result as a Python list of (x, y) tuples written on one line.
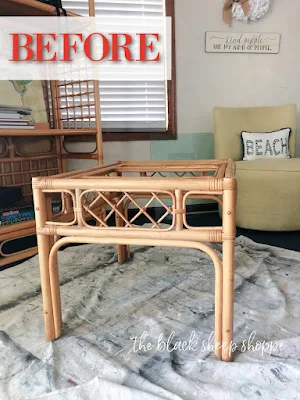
[(91, 197)]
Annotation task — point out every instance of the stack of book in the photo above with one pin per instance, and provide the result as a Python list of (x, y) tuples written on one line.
[(15, 117)]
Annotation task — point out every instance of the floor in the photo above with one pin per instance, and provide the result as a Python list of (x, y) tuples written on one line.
[(144, 330)]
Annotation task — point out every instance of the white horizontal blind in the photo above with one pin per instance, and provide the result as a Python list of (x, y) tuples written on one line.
[(129, 106)]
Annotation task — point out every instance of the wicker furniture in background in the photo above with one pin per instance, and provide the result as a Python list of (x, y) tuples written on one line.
[(39, 152), (73, 108)]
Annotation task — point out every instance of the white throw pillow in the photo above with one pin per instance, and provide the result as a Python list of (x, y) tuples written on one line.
[(266, 144)]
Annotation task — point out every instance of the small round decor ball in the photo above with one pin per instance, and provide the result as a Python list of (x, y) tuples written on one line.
[(258, 8)]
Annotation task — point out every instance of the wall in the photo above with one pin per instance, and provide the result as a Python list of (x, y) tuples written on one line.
[(237, 80)]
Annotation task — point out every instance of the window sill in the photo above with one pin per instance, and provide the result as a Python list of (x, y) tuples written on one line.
[(125, 137)]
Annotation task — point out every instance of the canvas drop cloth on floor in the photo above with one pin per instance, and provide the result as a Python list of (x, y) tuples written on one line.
[(118, 320)]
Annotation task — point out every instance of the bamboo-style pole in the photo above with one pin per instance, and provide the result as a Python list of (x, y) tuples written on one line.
[(78, 208), (182, 163), (44, 249), (121, 249), (209, 234), (88, 171), (54, 270), (55, 96), (49, 216), (78, 156), (99, 140), (228, 220), (207, 186), (179, 210)]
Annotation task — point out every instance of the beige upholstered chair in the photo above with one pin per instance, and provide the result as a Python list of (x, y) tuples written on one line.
[(268, 190)]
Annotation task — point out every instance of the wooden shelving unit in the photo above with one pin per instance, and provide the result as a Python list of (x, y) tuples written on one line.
[(25, 154)]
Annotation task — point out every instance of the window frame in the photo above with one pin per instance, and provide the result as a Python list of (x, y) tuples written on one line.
[(171, 133)]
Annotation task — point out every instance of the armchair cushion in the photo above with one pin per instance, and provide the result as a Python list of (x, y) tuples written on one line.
[(268, 194)]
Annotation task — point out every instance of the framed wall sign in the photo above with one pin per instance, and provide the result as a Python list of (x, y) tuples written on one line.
[(227, 42)]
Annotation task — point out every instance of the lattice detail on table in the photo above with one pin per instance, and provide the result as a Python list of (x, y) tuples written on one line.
[(101, 206), (174, 174)]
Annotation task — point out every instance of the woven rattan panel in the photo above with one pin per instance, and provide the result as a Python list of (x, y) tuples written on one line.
[(76, 104), (23, 158)]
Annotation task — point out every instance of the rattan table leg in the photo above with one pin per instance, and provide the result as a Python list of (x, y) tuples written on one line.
[(55, 293), (229, 197), (228, 291), (121, 248), (43, 250)]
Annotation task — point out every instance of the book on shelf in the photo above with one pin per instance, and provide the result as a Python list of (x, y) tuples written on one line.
[(15, 109), (4, 121), (15, 117), (23, 212), (17, 127), (15, 122), (9, 115)]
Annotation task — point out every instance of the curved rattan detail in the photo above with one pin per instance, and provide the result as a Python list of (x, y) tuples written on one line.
[(53, 272)]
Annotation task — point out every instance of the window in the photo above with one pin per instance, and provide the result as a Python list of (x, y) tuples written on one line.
[(135, 110)]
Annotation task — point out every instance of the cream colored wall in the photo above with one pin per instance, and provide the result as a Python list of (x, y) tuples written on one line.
[(113, 151), (206, 80)]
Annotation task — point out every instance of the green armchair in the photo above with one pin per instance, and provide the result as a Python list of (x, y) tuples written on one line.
[(268, 190)]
